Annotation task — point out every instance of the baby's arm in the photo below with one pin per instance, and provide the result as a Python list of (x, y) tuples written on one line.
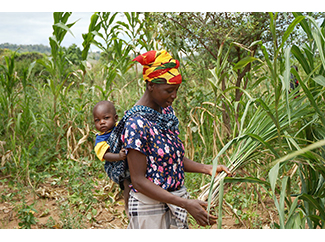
[(114, 156)]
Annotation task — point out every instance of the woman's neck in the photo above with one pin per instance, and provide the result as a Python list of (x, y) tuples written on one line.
[(146, 101)]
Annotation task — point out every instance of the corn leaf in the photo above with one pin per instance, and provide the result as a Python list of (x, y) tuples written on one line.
[(320, 80)]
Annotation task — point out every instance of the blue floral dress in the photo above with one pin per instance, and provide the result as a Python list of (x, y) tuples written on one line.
[(163, 149)]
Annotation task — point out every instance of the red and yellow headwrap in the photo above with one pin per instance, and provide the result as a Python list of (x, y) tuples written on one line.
[(159, 67)]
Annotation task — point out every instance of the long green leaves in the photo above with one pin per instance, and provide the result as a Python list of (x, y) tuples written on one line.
[(8, 80), (89, 37), (272, 127)]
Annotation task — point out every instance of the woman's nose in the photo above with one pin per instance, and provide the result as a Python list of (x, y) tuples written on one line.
[(174, 94)]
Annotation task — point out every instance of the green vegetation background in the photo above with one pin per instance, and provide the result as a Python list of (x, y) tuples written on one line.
[(235, 107)]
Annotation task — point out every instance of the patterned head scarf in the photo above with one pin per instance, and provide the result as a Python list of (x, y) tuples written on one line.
[(159, 67)]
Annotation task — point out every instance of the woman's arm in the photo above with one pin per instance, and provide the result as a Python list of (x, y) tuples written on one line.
[(192, 166), (138, 164)]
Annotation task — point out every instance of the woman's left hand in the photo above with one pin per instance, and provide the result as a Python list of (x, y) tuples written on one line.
[(221, 168)]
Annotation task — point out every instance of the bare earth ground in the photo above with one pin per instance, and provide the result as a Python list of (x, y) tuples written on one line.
[(108, 216)]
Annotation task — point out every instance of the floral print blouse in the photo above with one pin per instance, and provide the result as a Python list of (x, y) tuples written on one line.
[(163, 149)]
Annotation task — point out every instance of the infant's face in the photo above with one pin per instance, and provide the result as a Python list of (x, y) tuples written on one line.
[(104, 119)]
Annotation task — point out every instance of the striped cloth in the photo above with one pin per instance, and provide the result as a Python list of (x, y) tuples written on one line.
[(147, 213)]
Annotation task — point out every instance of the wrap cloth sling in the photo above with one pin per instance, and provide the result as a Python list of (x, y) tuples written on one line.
[(118, 170)]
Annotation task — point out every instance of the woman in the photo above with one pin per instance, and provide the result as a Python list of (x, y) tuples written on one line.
[(155, 154)]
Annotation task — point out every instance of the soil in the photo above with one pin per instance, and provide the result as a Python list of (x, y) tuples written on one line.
[(47, 201)]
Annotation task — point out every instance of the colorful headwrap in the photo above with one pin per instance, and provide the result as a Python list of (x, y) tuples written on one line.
[(159, 67)]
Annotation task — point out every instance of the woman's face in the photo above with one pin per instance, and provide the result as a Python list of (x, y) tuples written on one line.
[(164, 94)]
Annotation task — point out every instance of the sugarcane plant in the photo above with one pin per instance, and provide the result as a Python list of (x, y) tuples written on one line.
[(279, 124)]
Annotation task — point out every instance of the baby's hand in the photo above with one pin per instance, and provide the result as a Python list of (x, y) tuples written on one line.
[(122, 154)]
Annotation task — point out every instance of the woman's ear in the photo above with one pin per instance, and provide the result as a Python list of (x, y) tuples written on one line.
[(150, 86)]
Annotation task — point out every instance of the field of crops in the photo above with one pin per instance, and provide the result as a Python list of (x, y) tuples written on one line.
[(252, 98)]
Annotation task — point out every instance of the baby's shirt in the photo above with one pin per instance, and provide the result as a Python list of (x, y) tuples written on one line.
[(101, 144)]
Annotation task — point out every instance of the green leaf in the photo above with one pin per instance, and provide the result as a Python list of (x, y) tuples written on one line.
[(299, 152), (123, 24), (221, 191), (303, 24), (258, 138), (286, 75), (318, 29), (94, 211), (93, 23), (243, 119), (286, 80), (268, 111), (282, 199), (243, 62), (287, 33), (319, 45), (65, 27), (290, 29), (293, 207), (320, 80), (272, 26), (245, 179), (313, 202), (301, 58), (309, 95), (273, 175)]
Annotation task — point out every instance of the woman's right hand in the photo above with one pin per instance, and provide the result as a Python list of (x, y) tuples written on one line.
[(197, 209)]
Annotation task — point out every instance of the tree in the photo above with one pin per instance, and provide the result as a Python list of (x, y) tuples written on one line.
[(73, 53), (201, 36)]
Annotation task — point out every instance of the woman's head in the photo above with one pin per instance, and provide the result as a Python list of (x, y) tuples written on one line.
[(161, 76)]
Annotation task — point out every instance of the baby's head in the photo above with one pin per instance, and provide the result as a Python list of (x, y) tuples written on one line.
[(105, 116)]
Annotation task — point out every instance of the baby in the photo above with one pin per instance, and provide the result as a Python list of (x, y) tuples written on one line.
[(105, 119)]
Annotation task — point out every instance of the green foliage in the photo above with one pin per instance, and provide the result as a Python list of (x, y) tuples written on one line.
[(24, 60), (270, 129), (26, 216), (26, 48), (243, 203), (73, 54), (8, 96), (46, 129)]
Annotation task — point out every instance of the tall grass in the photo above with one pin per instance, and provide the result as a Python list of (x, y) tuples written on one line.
[(279, 123)]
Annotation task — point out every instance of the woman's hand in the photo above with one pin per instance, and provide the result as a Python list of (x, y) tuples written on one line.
[(197, 209), (220, 168), (192, 166)]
